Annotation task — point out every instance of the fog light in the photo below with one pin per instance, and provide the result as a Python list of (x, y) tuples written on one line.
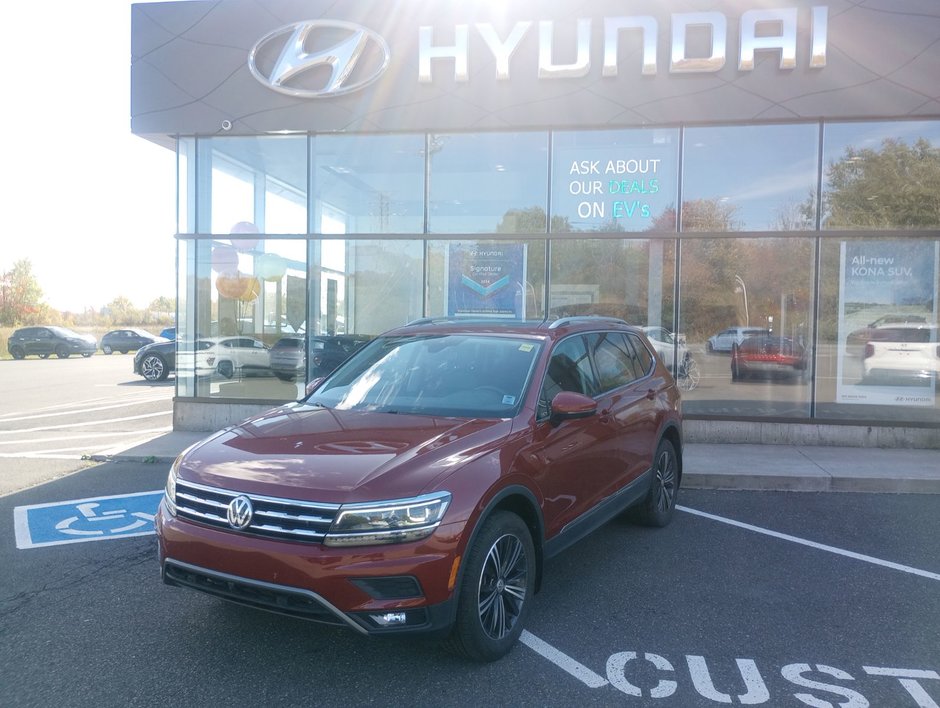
[(390, 619)]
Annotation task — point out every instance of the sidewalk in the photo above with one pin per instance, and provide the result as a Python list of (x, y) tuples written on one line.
[(805, 468)]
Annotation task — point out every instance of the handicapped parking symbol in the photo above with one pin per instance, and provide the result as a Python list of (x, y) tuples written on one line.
[(91, 519), (95, 519)]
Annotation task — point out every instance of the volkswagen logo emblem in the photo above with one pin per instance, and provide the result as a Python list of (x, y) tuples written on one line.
[(240, 513), (319, 58)]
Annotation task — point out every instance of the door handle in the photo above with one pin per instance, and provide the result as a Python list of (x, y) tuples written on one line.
[(651, 394)]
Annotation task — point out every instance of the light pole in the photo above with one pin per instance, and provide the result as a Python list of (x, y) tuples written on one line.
[(742, 288)]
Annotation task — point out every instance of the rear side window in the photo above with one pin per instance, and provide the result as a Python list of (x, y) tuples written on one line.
[(644, 359), (615, 360)]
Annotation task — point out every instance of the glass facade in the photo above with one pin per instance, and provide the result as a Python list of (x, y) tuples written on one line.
[(797, 264)]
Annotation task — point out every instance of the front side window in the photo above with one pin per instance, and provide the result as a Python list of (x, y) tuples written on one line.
[(569, 369), (472, 376)]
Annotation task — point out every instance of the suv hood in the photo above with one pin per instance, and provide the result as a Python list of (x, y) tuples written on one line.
[(335, 456)]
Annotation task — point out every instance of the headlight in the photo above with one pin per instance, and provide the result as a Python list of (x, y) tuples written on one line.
[(398, 521), (170, 492)]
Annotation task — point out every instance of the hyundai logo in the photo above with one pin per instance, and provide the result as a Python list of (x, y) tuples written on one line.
[(240, 513), (319, 58)]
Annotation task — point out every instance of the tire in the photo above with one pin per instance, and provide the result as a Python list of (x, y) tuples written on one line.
[(660, 503), (17, 353), (226, 369), (44, 356), (154, 368), (496, 592), (86, 354), (107, 350), (124, 351), (62, 352), (285, 377)]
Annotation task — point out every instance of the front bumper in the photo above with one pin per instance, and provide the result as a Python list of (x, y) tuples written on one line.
[(375, 590)]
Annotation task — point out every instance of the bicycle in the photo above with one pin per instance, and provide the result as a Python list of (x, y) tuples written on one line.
[(689, 374)]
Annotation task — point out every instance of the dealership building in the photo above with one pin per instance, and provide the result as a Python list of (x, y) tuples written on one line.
[(717, 172)]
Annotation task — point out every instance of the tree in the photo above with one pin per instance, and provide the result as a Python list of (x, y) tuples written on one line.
[(20, 295), (122, 311), (897, 186)]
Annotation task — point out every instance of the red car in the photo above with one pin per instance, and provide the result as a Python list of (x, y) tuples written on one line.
[(422, 485), (768, 355)]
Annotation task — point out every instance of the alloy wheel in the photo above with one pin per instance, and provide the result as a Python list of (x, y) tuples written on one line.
[(665, 492), (502, 591)]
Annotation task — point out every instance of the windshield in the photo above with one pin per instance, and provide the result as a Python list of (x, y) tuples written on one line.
[(462, 375)]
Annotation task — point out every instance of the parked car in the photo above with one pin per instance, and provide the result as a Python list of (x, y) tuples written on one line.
[(725, 340), (670, 347), (864, 334), (769, 355), (228, 356), (421, 486), (168, 333), (155, 361), (127, 340), (46, 341), (289, 360), (903, 353)]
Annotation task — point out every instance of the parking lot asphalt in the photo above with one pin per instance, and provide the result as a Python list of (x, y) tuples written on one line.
[(736, 466)]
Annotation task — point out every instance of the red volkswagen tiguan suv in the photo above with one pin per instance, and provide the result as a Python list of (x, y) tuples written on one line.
[(421, 486)]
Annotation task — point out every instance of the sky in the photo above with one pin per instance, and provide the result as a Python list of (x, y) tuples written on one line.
[(89, 204)]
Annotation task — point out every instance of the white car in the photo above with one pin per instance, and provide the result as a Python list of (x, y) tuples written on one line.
[(726, 339), (667, 345), (227, 356), (908, 351)]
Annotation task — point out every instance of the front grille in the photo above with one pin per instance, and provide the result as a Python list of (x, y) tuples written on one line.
[(253, 593), (286, 519)]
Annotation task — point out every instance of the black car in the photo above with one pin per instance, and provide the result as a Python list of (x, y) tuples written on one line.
[(127, 340), (46, 341), (288, 358), (155, 361)]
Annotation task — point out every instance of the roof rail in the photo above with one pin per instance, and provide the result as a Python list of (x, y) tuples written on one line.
[(574, 319)]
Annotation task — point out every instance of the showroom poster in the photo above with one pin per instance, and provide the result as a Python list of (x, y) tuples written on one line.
[(486, 280), (885, 289)]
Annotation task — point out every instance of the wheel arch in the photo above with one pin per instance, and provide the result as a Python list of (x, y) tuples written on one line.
[(521, 501)]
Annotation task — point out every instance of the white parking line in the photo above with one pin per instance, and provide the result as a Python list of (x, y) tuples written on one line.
[(812, 544), (562, 660), (72, 411), (87, 424), (72, 405), (593, 680), (87, 435)]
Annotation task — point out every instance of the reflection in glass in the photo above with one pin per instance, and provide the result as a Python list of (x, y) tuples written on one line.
[(746, 313), (368, 183), (250, 294), (488, 182), (486, 278), (614, 180), (881, 175), (628, 279), (750, 178)]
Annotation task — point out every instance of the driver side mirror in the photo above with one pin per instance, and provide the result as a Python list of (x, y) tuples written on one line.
[(568, 405)]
